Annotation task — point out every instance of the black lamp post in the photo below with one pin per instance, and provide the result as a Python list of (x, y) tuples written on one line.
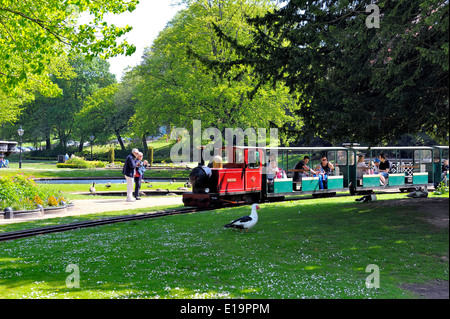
[(92, 140), (20, 132)]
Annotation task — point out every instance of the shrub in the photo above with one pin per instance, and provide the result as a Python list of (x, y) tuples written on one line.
[(111, 156), (65, 165), (21, 193), (79, 162), (99, 164)]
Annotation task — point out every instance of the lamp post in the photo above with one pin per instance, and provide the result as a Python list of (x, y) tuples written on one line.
[(92, 140), (20, 132)]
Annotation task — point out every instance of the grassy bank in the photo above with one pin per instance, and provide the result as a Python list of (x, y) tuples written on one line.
[(317, 248)]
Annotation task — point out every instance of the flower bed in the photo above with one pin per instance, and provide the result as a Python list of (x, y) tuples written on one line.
[(22, 193)]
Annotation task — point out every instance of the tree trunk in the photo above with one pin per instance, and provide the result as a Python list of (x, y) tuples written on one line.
[(48, 143), (119, 138), (144, 145), (80, 147)]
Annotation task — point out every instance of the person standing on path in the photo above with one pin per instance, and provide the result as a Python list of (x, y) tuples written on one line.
[(128, 172), (139, 174)]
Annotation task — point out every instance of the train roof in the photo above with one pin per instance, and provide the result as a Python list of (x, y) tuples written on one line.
[(398, 147), (343, 148)]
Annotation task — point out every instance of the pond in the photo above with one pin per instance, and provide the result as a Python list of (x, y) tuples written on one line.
[(96, 181)]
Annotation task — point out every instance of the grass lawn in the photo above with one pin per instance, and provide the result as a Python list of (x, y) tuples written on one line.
[(48, 169), (316, 248)]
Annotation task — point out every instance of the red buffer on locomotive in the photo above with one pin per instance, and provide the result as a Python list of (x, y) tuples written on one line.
[(235, 177)]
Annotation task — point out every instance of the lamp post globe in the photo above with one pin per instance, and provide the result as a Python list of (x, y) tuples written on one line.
[(20, 131)]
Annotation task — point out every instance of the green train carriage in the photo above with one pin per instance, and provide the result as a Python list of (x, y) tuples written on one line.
[(412, 167)]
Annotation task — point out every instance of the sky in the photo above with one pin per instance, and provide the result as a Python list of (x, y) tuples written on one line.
[(148, 19)]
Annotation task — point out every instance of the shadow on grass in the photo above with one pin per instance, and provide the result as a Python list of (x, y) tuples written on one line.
[(310, 249)]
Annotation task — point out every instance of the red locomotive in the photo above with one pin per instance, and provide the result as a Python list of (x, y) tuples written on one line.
[(233, 178)]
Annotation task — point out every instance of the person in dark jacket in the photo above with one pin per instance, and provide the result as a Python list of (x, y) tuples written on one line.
[(128, 172)]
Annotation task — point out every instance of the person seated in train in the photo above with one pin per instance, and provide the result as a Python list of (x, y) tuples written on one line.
[(444, 170), (273, 171), (217, 162), (273, 167), (303, 165), (324, 169), (383, 168), (361, 167), (376, 166)]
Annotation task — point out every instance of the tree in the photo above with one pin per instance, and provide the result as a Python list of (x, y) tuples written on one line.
[(36, 37), (107, 111), (175, 88), (353, 82), (57, 114)]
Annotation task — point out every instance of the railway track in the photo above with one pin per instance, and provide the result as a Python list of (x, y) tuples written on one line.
[(93, 223), (7, 236)]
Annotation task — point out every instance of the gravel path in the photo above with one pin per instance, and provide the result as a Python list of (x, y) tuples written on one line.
[(99, 205)]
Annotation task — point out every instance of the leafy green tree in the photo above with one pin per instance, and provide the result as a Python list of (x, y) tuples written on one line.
[(56, 115), (107, 112), (175, 88), (36, 37), (353, 82)]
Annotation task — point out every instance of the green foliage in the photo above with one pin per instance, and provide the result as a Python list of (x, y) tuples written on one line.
[(150, 155), (79, 162), (111, 157), (107, 111), (45, 115), (21, 193), (441, 189), (35, 41), (175, 88), (353, 83), (66, 165)]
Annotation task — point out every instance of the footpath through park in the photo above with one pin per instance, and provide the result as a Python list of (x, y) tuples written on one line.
[(99, 205)]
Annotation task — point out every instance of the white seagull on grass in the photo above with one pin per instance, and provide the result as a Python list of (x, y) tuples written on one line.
[(245, 222)]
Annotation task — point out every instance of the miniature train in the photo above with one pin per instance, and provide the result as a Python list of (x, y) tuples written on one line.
[(244, 175)]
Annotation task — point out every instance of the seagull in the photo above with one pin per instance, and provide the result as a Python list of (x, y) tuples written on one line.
[(367, 198), (419, 193), (245, 222), (92, 189)]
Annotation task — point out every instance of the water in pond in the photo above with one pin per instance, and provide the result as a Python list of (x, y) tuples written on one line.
[(96, 181)]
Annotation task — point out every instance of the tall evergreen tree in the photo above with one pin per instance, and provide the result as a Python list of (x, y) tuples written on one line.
[(354, 81)]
